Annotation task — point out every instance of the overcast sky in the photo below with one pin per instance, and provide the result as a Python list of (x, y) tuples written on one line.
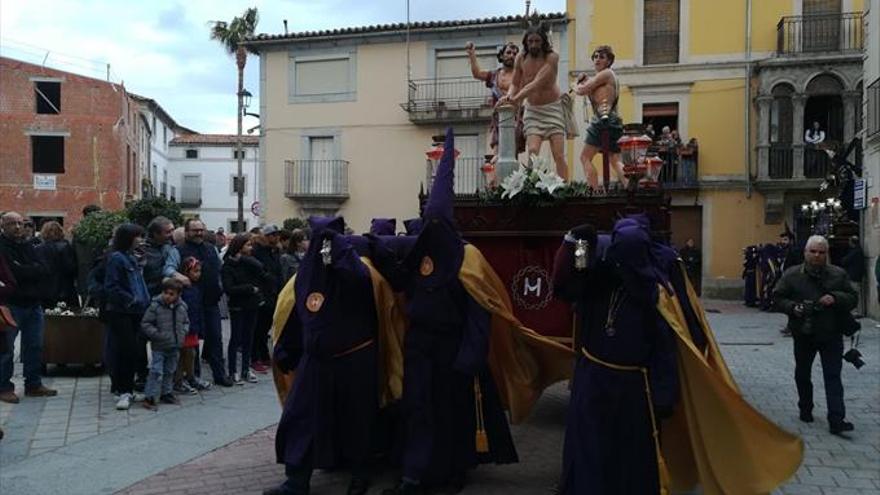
[(160, 48)]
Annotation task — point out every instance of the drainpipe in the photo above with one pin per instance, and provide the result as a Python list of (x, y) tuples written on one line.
[(748, 106)]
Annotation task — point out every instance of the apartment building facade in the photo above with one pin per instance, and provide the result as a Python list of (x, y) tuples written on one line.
[(744, 78), (348, 114), (66, 141)]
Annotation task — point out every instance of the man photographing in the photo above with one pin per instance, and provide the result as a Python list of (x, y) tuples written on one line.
[(817, 297)]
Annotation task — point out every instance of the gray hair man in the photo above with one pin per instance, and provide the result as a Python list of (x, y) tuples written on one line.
[(30, 271), (817, 297)]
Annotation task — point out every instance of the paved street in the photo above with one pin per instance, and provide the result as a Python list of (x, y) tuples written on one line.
[(221, 441)]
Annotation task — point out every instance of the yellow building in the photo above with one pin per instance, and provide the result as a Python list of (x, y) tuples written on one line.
[(744, 78), (348, 114)]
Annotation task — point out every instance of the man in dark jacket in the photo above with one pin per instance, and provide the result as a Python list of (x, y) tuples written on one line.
[(816, 296), (266, 251), (29, 271), (211, 288)]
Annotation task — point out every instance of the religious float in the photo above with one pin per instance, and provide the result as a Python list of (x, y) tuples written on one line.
[(518, 225)]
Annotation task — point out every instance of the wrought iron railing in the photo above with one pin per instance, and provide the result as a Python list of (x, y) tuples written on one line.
[(455, 93), (469, 176), (873, 99), (316, 178), (680, 165), (781, 164), (191, 197), (817, 163), (820, 33)]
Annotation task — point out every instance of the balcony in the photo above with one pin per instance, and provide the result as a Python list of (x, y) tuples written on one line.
[(320, 186), (190, 197), (873, 108), (829, 33), (680, 165), (445, 100)]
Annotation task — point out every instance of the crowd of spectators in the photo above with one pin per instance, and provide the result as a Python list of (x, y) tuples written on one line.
[(162, 289)]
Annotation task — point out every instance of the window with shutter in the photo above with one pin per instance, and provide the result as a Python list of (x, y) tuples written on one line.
[(661, 32)]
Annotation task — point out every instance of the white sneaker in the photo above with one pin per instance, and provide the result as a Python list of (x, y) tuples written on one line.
[(251, 377), (236, 379), (138, 397), (124, 402)]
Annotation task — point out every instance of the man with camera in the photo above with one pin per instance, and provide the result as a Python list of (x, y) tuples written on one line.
[(818, 298)]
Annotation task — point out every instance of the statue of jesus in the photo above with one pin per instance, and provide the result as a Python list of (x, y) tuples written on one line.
[(534, 85)]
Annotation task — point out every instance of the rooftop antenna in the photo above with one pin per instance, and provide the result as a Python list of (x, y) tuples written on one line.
[(285, 27)]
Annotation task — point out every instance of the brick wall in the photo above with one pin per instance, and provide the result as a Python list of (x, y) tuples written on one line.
[(98, 117)]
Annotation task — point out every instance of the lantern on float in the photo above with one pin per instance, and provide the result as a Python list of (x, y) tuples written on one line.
[(654, 165), (433, 155), (632, 152)]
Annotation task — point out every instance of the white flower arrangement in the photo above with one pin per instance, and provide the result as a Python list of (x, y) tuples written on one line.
[(61, 309), (536, 175)]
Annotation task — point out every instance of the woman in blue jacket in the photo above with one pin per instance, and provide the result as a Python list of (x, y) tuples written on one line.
[(126, 300)]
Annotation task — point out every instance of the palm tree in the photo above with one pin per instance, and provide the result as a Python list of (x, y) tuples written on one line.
[(230, 35)]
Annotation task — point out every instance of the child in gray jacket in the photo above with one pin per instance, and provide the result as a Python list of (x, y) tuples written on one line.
[(165, 324)]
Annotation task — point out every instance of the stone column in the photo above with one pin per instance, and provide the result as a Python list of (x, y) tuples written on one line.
[(506, 163), (798, 103), (850, 100), (763, 141)]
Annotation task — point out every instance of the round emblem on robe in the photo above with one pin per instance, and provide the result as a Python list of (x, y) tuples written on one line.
[(532, 288), (314, 302), (427, 266)]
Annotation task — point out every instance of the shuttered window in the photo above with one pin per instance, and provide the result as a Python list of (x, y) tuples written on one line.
[(661, 32)]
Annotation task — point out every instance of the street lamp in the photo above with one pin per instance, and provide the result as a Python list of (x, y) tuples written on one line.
[(822, 212)]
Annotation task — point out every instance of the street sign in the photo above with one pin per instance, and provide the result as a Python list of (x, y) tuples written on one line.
[(255, 208), (45, 182), (859, 194)]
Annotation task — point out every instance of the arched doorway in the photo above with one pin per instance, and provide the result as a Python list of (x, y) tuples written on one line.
[(781, 132), (825, 106)]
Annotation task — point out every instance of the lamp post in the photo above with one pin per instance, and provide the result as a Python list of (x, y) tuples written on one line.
[(244, 100), (816, 211)]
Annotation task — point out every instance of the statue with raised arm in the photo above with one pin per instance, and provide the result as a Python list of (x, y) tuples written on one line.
[(534, 86), (498, 81), (603, 90)]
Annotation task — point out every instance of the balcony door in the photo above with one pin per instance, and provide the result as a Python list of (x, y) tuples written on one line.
[(468, 175), (454, 83), (821, 25), (322, 175)]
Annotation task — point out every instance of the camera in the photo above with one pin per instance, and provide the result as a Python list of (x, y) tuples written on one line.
[(854, 357)]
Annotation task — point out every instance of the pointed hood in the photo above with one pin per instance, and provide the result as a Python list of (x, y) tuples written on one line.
[(439, 251), (383, 226), (413, 226), (630, 253), (442, 190), (311, 275)]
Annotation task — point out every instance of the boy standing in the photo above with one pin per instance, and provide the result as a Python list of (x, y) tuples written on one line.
[(165, 324)]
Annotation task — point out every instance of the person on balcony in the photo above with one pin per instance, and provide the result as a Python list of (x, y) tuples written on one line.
[(498, 81), (603, 91), (814, 135), (534, 83)]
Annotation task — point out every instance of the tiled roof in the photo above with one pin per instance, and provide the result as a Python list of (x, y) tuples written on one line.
[(215, 139), (401, 27)]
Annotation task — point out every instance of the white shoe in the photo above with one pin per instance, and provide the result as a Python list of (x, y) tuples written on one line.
[(124, 402), (236, 379), (138, 397), (251, 377)]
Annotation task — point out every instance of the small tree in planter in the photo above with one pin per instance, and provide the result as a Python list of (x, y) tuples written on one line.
[(295, 223), (144, 210)]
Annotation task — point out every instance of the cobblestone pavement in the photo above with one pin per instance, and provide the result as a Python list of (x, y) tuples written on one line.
[(234, 453)]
